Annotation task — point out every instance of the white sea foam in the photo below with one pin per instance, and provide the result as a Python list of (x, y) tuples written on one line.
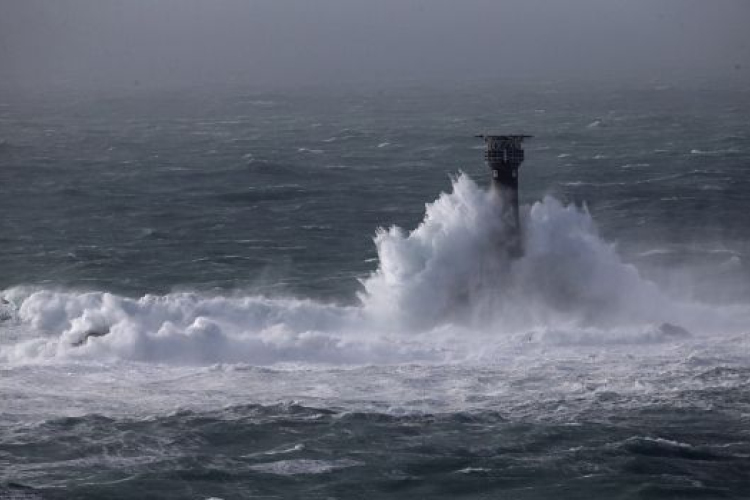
[(717, 152), (446, 290), (304, 466)]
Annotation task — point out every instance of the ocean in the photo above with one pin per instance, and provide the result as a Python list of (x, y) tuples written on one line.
[(232, 293)]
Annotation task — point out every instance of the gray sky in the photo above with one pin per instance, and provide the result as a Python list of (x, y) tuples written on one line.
[(106, 43)]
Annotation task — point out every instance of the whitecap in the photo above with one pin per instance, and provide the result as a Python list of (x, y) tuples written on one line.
[(304, 466)]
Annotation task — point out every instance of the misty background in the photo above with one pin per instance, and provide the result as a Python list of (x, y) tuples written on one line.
[(110, 44)]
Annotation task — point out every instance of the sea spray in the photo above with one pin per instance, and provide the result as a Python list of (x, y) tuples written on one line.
[(442, 270), (455, 267)]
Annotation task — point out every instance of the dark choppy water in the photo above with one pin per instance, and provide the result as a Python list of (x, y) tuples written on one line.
[(195, 307)]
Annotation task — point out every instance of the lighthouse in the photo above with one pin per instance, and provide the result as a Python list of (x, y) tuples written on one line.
[(504, 156)]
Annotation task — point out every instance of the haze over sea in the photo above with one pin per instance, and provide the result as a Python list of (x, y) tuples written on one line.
[(198, 301)]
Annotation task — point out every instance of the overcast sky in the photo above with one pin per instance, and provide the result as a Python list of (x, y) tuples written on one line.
[(100, 43)]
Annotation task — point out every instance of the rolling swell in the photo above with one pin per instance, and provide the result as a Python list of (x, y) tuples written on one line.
[(286, 449)]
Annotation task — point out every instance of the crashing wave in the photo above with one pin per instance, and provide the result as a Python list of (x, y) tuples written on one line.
[(441, 291)]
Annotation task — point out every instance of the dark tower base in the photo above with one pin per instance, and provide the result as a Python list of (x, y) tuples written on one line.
[(504, 156)]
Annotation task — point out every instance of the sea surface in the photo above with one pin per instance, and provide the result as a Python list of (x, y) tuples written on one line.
[(231, 293)]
